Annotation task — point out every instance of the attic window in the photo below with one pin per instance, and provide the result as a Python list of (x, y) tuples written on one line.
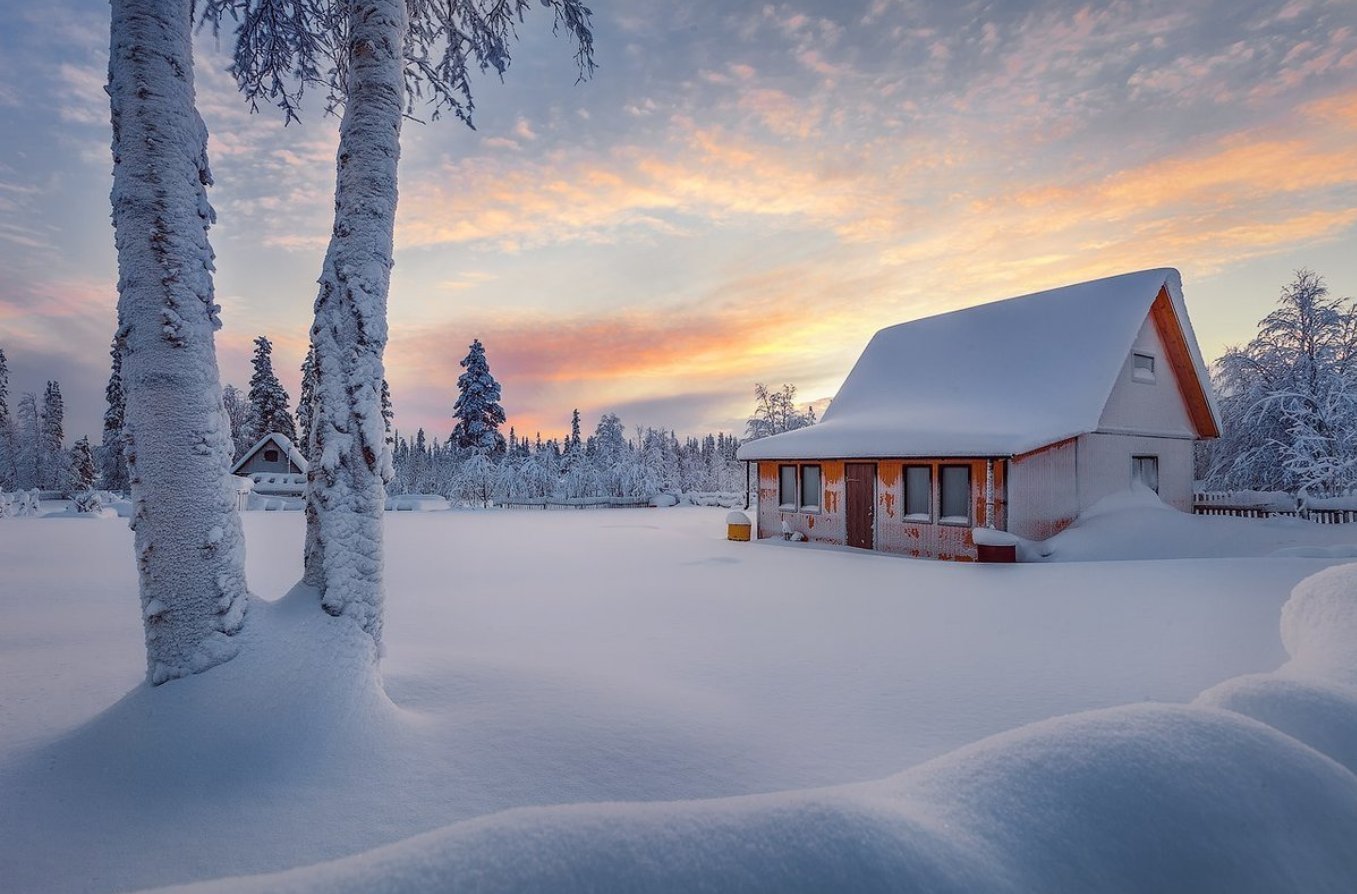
[(1143, 368), (270, 456)]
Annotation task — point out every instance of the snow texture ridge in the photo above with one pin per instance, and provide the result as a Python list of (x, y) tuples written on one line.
[(998, 379), (1200, 798)]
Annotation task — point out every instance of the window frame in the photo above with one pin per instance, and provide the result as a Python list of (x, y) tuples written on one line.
[(969, 519), (1145, 376), (917, 518), (1135, 460), (803, 506), (782, 504), (271, 455)]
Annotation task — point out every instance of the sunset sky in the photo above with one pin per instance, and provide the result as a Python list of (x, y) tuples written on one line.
[(743, 192)]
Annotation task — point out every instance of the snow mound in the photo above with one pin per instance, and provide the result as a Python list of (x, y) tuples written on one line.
[(1221, 801), (1076, 803), (1136, 497), (1314, 696), (1319, 623)]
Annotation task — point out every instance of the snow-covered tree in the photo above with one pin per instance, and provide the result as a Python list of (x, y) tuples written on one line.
[(237, 408), (189, 548), (477, 410), (52, 439), (269, 401), (80, 469), (1288, 398), (8, 446), (27, 442), (776, 412), (304, 399), (111, 459), (374, 58)]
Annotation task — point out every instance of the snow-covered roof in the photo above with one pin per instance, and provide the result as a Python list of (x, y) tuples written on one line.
[(998, 379), (283, 442)]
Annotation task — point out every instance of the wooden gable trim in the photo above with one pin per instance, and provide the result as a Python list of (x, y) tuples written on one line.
[(1190, 385)]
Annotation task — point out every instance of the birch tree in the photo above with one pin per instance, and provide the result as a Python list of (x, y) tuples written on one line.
[(375, 59), (189, 548)]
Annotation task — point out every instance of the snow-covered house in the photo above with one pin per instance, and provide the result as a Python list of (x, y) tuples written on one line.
[(1015, 415), (275, 465)]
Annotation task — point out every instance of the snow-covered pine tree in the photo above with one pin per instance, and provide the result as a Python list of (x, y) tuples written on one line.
[(304, 399), (27, 442), (111, 459), (574, 442), (52, 441), (269, 402), (7, 430), (374, 57), (237, 409), (189, 548), (477, 410), (388, 412), (80, 470)]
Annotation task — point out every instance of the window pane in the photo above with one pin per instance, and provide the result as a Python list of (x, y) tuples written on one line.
[(787, 485), (1144, 368), (956, 493), (919, 491), (810, 487), (1145, 470)]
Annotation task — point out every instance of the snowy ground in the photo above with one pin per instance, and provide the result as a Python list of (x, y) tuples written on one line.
[(543, 658)]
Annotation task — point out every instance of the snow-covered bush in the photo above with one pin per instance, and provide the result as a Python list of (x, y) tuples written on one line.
[(91, 501)]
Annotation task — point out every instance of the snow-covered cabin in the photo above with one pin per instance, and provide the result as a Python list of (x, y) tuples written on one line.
[(275, 466), (1016, 415)]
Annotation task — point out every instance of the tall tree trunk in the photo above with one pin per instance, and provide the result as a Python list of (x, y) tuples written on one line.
[(346, 484), (189, 547)]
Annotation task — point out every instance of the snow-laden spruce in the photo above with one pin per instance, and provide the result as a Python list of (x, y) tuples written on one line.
[(112, 462), (7, 444), (268, 399), (477, 410), (189, 547)]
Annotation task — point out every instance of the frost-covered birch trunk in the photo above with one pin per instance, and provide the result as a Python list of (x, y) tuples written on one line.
[(189, 548), (346, 484)]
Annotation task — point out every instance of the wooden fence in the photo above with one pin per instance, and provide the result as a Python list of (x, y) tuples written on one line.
[(1252, 504)]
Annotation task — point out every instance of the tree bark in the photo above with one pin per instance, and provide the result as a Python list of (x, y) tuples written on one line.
[(346, 483), (189, 548)]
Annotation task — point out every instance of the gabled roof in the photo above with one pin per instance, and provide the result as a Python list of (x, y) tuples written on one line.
[(1001, 379), (282, 442)]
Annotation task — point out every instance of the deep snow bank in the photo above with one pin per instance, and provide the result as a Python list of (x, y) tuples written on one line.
[(1137, 798)]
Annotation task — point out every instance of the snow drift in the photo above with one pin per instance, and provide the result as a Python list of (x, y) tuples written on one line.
[(1249, 789)]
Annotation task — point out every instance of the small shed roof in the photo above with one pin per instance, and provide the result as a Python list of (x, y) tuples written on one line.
[(282, 442), (998, 379)]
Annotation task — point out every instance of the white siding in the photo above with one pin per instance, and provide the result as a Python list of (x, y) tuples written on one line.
[(1105, 467), (1147, 408), (1042, 495)]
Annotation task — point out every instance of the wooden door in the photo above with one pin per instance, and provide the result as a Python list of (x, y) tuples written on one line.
[(859, 481)]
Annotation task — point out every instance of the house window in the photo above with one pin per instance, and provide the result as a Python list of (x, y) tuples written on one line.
[(270, 456), (786, 487), (1142, 369), (1145, 470), (955, 495), (810, 488), (918, 493)]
